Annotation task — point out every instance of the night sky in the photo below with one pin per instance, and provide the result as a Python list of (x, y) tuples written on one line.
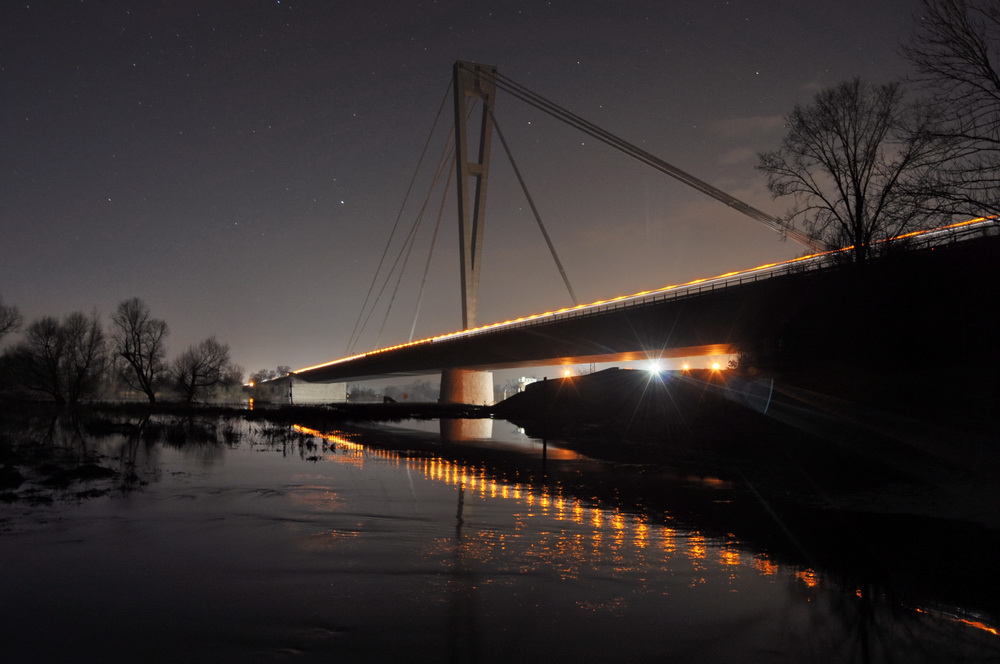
[(239, 165)]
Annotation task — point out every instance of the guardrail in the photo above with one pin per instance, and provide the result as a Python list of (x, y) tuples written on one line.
[(913, 241), (815, 263)]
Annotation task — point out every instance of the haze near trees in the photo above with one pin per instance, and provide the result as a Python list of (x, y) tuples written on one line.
[(70, 360), (262, 375)]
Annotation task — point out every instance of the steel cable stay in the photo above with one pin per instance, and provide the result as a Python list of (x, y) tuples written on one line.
[(430, 253), (411, 238), (531, 203), (552, 109), (406, 248), (358, 326), (558, 112), (404, 254), (534, 211)]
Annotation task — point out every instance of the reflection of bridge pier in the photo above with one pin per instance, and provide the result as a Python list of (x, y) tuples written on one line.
[(464, 430)]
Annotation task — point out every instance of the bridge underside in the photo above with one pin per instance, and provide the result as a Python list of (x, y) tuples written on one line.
[(700, 326), (704, 350), (834, 315), (891, 315)]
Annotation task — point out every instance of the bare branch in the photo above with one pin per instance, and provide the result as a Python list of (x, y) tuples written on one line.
[(201, 367), (849, 163), (10, 319), (138, 339), (956, 51)]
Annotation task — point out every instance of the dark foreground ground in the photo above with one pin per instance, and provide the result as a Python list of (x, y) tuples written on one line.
[(873, 493), (794, 440)]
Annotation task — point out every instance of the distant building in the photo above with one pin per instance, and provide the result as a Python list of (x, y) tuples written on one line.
[(524, 381), (292, 390)]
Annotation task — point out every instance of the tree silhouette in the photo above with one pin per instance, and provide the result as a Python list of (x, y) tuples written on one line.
[(10, 319), (138, 339), (854, 166), (956, 51), (62, 360), (262, 375), (86, 357), (201, 367), (39, 356)]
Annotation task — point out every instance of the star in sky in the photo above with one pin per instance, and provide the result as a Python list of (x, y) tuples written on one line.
[(137, 126)]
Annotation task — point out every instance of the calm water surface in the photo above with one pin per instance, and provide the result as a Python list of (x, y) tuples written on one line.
[(322, 547)]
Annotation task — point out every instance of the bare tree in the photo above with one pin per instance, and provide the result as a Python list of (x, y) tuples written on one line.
[(854, 166), (262, 375), (38, 358), (201, 367), (956, 51), (138, 339), (233, 376), (63, 360), (418, 391), (10, 319), (357, 393), (86, 355)]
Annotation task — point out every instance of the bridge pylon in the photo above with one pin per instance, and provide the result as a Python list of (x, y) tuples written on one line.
[(468, 386), (472, 82)]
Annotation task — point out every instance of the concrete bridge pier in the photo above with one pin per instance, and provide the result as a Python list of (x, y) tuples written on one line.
[(467, 386)]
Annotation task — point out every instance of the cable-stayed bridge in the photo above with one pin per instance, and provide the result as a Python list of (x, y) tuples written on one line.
[(704, 317)]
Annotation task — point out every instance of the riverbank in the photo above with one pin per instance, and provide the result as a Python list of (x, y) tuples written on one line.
[(790, 445), (800, 445)]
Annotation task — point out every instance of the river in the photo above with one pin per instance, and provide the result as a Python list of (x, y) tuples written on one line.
[(254, 542)]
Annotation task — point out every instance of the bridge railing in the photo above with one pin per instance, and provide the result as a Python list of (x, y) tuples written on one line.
[(814, 263)]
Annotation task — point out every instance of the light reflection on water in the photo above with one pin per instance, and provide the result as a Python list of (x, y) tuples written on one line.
[(628, 540), (316, 546), (607, 533)]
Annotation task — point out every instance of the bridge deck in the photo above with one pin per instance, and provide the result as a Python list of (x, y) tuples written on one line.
[(706, 316)]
